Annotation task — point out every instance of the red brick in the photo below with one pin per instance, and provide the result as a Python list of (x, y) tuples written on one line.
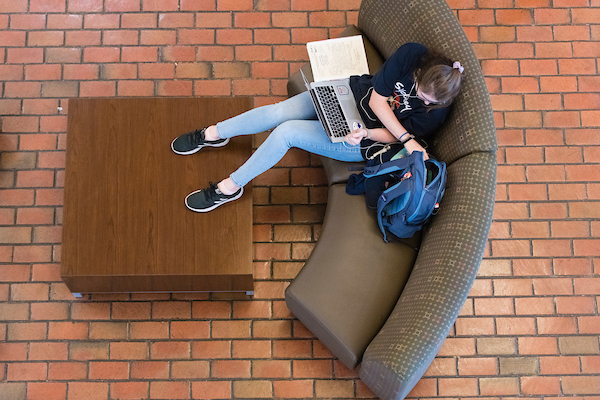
[(289, 19), (47, 6), (293, 389), (515, 326), (271, 369), (580, 385), (158, 37), (26, 331), (190, 369), (252, 309), (46, 38), (87, 390), (40, 106), (150, 370), (475, 326), (574, 305), (27, 22), (534, 306), (231, 329), (138, 54), (211, 349), (547, 16), (196, 36), (571, 33), (138, 20), (212, 389), (84, 5), (221, 87), (156, 71), (170, 350), (178, 53), (101, 21), (46, 390), (514, 17), (555, 285), (548, 210), (539, 385), (135, 88), (586, 285), (13, 351), (193, 70), (24, 254), (230, 369), (520, 192), (556, 325), (120, 37), (48, 311), (252, 20), (579, 66), (129, 350), (109, 370), (129, 390), (570, 229), (190, 330), (590, 364), (83, 38), (67, 371), (537, 345), (64, 21), (312, 368), (119, 71), (175, 20), (35, 178), (101, 54), (26, 371), (559, 365)]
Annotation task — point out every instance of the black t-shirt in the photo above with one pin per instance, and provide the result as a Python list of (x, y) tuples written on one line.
[(396, 79)]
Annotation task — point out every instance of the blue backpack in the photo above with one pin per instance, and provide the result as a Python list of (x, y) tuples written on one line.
[(405, 192)]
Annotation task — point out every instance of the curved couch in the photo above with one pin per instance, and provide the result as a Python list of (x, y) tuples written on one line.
[(389, 306)]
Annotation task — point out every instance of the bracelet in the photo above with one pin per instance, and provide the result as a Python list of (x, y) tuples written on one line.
[(368, 133), (401, 136), (410, 137)]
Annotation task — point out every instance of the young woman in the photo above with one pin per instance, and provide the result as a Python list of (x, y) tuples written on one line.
[(406, 100)]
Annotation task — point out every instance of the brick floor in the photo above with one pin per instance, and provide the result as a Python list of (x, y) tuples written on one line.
[(531, 324)]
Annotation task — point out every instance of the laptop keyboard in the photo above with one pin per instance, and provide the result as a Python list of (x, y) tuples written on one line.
[(332, 109)]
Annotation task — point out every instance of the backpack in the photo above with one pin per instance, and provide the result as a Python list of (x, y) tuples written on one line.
[(405, 192)]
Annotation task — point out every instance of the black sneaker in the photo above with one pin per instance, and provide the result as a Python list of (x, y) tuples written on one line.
[(208, 199), (189, 143)]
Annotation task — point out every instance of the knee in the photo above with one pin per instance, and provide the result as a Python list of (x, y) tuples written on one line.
[(285, 132)]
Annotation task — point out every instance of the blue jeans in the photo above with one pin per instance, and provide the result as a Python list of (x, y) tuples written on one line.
[(295, 125)]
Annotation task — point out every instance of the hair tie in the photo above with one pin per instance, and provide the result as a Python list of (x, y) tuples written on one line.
[(459, 67)]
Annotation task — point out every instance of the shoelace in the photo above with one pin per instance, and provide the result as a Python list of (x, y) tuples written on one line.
[(196, 137), (211, 192)]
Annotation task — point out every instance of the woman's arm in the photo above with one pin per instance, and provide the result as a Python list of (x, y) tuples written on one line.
[(382, 110)]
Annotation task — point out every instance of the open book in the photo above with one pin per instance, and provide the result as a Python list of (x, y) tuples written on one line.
[(337, 58)]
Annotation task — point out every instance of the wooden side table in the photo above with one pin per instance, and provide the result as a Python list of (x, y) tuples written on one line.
[(125, 224)]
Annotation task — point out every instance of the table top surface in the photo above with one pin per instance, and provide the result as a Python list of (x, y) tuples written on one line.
[(124, 211)]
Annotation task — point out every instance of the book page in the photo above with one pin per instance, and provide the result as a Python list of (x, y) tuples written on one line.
[(337, 58)]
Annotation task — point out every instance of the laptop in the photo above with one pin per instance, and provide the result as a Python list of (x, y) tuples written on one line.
[(335, 106)]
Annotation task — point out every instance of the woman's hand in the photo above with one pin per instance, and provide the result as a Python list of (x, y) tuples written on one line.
[(354, 137), (413, 145)]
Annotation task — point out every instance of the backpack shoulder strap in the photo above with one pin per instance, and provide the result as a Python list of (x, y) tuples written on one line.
[(388, 196)]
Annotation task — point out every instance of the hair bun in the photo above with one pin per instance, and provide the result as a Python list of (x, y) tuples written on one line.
[(458, 66)]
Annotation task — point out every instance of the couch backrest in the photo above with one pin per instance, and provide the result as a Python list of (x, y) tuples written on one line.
[(454, 242), (470, 126)]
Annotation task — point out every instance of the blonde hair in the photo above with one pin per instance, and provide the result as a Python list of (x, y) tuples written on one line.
[(436, 76)]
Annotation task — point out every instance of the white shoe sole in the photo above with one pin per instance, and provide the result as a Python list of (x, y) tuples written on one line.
[(197, 149), (214, 206)]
